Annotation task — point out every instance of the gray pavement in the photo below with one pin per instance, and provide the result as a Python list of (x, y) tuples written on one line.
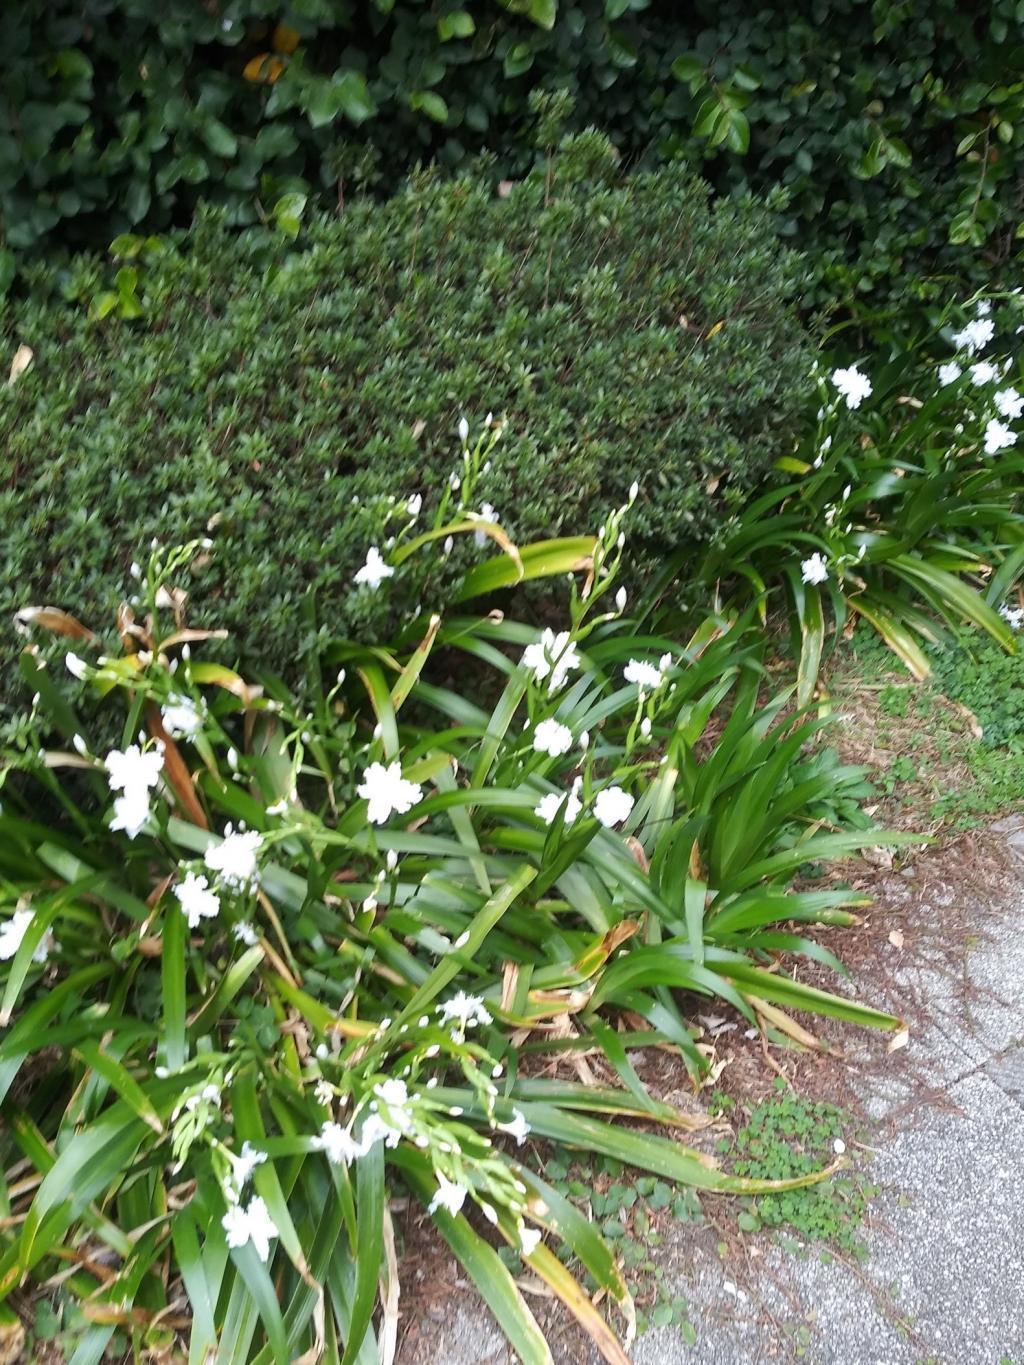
[(944, 1280)]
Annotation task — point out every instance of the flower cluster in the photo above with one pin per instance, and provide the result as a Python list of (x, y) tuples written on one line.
[(392, 1109), (1008, 403), (648, 677), (182, 717), (132, 773), (387, 792), (612, 805), (852, 384), (234, 859), (814, 569), (551, 737), (551, 657)]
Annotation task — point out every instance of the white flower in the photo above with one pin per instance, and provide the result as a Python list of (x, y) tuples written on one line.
[(949, 373), (1009, 403), (245, 933), (853, 385), (197, 900), (12, 932), (645, 727), (374, 571), (839, 1146), (131, 811), (1013, 616), (982, 308), (620, 600), (387, 792), (245, 1163), (529, 1239), (396, 1122), (415, 505), (815, 569), (338, 1145), (393, 1092), (998, 436), (76, 667), (975, 335), (133, 770), (253, 1224), (517, 1127), (552, 737), (463, 429), (486, 513), (983, 373), (645, 675), (548, 806), (182, 718), (448, 1195), (465, 1010), (235, 857), (612, 806), (376, 1128), (634, 490), (551, 655)]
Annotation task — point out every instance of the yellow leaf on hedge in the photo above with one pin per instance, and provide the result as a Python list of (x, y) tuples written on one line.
[(265, 68), (285, 39)]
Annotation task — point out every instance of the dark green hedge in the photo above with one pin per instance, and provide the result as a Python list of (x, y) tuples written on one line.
[(894, 128), (623, 328)]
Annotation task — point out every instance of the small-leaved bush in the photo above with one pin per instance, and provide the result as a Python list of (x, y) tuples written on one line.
[(262, 958), (290, 404)]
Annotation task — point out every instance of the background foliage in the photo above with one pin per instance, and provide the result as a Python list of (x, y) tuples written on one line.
[(893, 129), (282, 404)]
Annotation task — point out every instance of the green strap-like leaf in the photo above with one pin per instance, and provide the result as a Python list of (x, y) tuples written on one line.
[(369, 1249)]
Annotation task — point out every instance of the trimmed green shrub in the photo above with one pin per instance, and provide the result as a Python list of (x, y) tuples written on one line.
[(290, 406), (893, 128)]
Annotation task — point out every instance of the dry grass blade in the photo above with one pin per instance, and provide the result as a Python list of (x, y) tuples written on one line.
[(387, 1336), (784, 1023), (551, 1270)]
